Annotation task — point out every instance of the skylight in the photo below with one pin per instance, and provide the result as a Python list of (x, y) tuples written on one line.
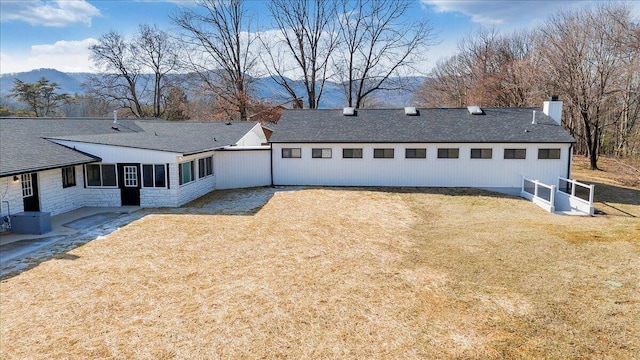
[(475, 110), (410, 111), (349, 111)]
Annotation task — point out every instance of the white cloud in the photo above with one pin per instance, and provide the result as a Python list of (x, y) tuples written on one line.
[(177, 2), (66, 56), (512, 14), (57, 13), (502, 13)]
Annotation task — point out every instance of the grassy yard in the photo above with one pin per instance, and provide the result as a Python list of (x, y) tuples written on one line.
[(344, 273)]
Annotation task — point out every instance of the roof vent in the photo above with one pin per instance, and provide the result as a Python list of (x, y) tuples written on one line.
[(475, 110), (349, 111), (410, 111)]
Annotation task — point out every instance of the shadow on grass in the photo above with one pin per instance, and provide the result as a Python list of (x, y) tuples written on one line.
[(20, 256), (606, 193), (611, 196), (457, 191)]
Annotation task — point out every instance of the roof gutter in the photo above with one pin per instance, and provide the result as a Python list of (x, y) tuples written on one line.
[(45, 168)]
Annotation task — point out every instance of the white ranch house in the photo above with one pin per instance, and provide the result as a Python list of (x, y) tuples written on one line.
[(58, 165), (481, 148)]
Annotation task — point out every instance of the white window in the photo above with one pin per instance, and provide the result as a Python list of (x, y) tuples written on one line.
[(27, 186), (131, 176)]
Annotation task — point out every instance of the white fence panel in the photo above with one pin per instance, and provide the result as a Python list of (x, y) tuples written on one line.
[(574, 196), (541, 194)]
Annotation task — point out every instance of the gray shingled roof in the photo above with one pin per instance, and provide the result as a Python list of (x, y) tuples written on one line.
[(25, 148), (497, 125), (184, 137)]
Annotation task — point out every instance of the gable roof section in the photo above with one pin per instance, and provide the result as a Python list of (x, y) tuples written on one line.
[(497, 125), (179, 137), (25, 146)]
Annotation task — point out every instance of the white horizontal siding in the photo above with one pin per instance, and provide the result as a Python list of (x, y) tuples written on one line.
[(462, 172), (242, 168)]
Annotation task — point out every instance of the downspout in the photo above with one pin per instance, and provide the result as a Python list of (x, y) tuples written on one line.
[(570, 160), (271, 156)]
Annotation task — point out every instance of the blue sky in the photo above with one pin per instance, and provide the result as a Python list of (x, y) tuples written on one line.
[(56, 33)]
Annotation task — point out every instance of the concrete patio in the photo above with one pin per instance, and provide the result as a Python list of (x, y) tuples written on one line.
[(72, 222), (70, 229)]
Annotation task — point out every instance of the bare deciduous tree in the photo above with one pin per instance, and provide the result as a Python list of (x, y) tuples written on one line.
[(583, 58), (126, 66), (306, 29), (447, 85), (120, 73), (157, 53), (220, 35), (376, 44), (589, 57), (489, 70)]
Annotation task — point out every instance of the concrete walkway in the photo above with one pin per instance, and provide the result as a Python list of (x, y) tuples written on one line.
[(71, 222), (69, 230)]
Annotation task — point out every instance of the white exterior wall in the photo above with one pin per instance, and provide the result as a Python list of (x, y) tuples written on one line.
[(53, 197), (255, 137), (11, 191), (495, 173), (101, 197), (56, 199), (174, 196), (118, 154), (242, 168), (160, 197), (194, 189)]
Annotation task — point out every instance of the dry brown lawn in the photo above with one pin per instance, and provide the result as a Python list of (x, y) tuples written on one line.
[(342, 273)]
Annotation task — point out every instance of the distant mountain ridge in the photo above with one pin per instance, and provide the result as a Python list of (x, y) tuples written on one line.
[(70, 83), (265, 88)]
